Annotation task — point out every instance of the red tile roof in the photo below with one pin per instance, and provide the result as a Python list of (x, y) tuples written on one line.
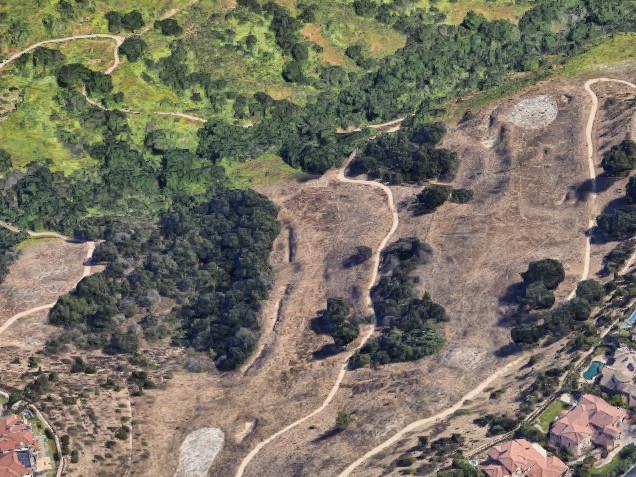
[(590, 413), (10, 466), (521, 455), (14, 434)]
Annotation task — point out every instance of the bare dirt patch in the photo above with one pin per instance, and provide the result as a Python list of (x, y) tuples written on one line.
[(479, 250), (329, 219), (534, 113), (46, 269), (198, 451)]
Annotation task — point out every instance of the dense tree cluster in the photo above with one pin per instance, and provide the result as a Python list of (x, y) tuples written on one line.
[(172, 230), (620, 225), (557, 323), (211, 258), (76, 75), (408, 156), (620, 160), (8, 252), (168, 27), (550, 272), (412, 325), (131, 21), (541, 278)]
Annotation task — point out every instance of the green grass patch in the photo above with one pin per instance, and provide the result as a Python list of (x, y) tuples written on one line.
[(96, 54), (455, 11), (26, 21), (549, 415), (29, 133), (474, 103), (266, 170), (619, 49), (608, 468)]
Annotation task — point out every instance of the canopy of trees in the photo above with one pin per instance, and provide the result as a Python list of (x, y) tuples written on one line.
[(133, 47), (8, 252), (212, 258), (620, 225), (620, 160), (411, 324)]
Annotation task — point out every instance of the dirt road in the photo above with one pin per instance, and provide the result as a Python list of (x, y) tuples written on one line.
[(586, 268), (340, 176), (592, 168)]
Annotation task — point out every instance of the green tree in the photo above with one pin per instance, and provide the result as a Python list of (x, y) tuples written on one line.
[(548, 271), (132, 21), (433, 196), (133, 47), (537, 296), (620, 160), (168, 27), (591, 291), (5, 161)]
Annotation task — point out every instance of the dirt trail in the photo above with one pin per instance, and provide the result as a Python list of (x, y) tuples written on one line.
[(86, 270), (586, 269), (130, 111), (340, 176), (590, 159), (117, 39)]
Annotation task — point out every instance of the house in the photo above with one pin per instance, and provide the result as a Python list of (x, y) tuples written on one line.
[(619, 377), (592, 422), (522, 458), (18, 448)]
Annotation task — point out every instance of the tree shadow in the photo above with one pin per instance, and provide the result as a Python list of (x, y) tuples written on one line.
[(585, 188), (327, 351), (326, 435), (512, 294), (508, 350)]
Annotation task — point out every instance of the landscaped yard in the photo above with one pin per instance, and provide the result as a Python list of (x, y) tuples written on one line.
[(550, 414)]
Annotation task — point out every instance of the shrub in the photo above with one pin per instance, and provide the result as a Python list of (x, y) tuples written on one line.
[(344, 420), (461, 196)]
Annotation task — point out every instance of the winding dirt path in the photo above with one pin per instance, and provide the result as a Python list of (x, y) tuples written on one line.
[(365, 336), (592, 168), (586, 270), (117, 39)]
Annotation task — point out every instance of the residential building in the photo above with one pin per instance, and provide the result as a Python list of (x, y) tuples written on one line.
[(592, 422), (18, 448), (619, 377), (519, 458)]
